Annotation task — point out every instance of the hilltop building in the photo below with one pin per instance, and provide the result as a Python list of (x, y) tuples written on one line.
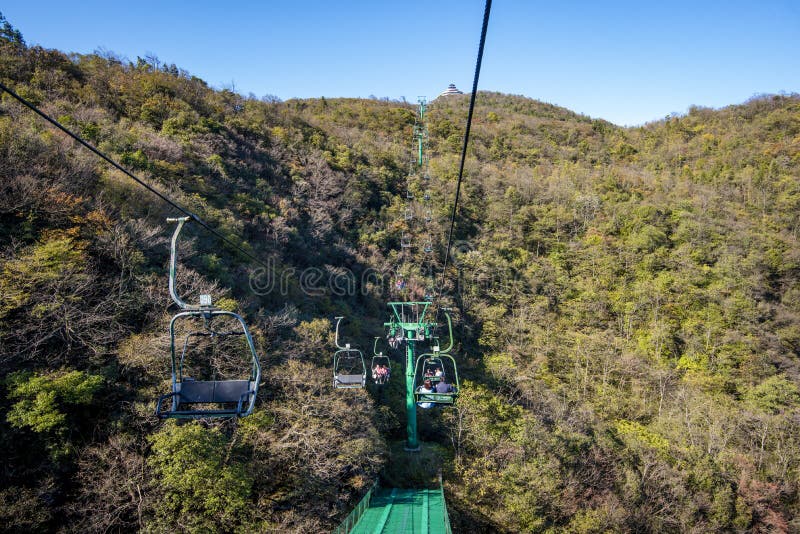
[(451, 90)]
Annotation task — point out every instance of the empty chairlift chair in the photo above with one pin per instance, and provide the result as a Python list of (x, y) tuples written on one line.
[(216, 349), (349, 369)]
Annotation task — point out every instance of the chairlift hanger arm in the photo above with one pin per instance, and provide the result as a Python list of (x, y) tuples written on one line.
[(205, 300), (375, 347), (336, 339), (449, 332), (173, 261)]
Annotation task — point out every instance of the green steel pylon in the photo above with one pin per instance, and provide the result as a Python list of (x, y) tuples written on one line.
[(409, 325), (421, 132)]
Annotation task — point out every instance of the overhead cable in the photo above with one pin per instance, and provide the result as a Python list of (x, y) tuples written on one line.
[(129, 174)]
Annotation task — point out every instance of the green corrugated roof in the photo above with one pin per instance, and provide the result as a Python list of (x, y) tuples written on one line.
[(404, 511)]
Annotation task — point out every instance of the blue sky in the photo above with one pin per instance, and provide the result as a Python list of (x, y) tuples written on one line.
[(628, 62)]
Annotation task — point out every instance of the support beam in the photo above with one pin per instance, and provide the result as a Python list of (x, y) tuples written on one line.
[(412, 441)]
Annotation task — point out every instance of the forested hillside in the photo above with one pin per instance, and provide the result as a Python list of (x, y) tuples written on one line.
[(627, 305)]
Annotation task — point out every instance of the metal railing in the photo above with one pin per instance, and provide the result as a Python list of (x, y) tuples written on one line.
[(346, 526), (447, 528)]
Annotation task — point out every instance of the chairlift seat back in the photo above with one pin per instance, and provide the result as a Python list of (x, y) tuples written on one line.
[(212, 391), (349, 381)]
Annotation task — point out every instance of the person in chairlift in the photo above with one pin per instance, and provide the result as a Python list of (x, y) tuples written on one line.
[(426, 387)]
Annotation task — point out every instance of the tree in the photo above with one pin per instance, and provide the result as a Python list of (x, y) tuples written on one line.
[(9, 33), (45, 401), (203, 486)]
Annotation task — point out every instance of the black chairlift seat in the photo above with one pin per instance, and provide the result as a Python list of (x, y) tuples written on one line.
[(190, 391)]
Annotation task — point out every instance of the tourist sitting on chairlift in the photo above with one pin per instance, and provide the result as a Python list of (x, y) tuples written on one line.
[(444, 387), (395, 340), (380, 374), (426, 387)]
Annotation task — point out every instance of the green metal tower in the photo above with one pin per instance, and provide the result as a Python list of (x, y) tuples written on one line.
[(420, 131), (409, 324)]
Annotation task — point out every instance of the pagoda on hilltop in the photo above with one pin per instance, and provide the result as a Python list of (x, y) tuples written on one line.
[(451, 90)]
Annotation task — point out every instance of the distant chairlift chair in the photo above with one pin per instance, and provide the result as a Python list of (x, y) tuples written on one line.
[(430, 292), (197, 399), (349, 369), (379, 362)]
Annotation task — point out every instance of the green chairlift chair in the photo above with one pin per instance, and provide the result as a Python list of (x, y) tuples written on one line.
[(429, 364)]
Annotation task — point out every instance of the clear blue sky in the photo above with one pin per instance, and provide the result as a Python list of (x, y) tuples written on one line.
[(624, 61)]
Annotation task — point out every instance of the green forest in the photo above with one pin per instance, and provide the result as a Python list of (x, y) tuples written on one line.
[(626, 306)]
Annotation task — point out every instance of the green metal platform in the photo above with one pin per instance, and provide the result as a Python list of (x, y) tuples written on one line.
[(404, 511)]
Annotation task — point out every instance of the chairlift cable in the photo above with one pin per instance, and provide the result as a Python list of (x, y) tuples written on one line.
[(129, 174), (487, 9)]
